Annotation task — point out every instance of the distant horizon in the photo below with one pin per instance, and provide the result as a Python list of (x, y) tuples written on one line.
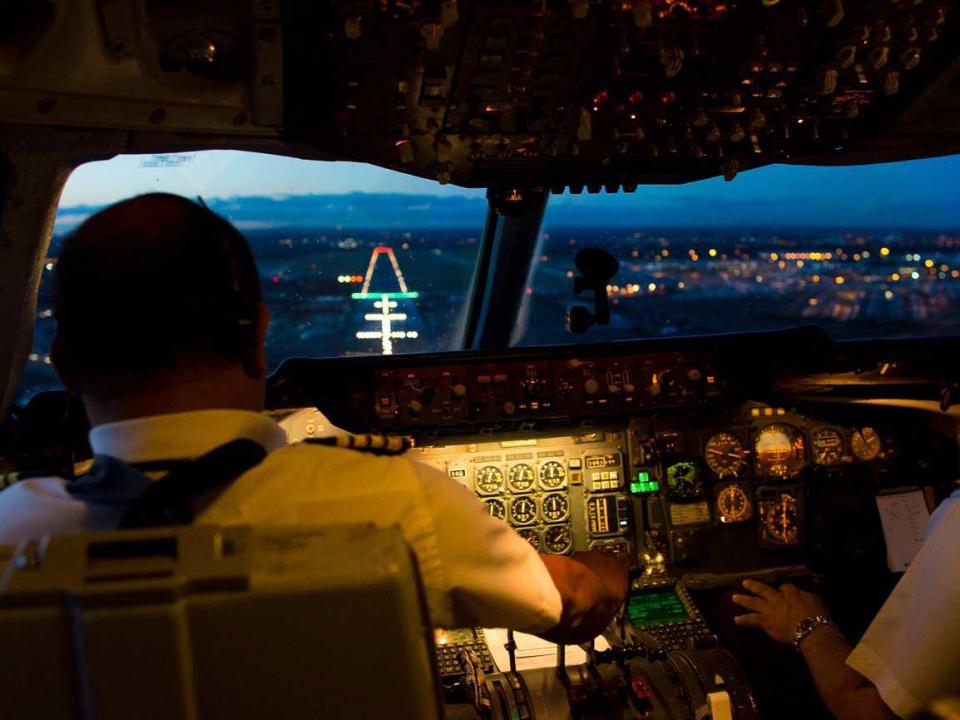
[(563, 211), (255, 189)]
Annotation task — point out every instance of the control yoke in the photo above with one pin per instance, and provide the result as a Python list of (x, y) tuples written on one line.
[(597, 267)]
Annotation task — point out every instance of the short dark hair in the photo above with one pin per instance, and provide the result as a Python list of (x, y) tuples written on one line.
[(150, 283)]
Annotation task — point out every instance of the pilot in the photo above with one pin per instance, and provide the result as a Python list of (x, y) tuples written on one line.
[(161, 331), (910, 654)]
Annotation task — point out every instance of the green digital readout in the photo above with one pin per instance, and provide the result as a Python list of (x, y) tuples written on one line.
[(655, 608)]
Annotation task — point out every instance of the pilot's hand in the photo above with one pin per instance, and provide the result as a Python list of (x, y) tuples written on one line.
[(777, 612)]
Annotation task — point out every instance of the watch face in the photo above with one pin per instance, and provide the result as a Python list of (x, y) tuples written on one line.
[(807, 626)]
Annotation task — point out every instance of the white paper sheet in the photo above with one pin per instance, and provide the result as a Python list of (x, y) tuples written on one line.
[(904, 518), (533, 652)]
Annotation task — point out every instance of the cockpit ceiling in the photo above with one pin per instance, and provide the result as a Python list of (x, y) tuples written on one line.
[(551, 93)]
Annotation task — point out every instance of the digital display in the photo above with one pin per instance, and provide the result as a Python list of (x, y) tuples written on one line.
[(603, 461), (655, 608)]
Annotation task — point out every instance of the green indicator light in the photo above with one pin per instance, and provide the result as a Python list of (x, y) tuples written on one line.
[(644, 486)]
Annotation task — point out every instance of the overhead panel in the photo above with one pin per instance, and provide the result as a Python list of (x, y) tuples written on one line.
[(558, 93)]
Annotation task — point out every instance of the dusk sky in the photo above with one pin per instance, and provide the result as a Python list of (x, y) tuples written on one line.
[(917, 193)]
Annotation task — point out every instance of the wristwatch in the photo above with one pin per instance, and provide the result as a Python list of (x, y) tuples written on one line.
[(807, 626)]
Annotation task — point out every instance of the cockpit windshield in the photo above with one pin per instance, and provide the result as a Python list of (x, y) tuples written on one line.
[(355, 259), (862, 252)]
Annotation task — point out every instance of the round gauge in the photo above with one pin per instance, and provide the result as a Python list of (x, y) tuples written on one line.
[(552, 475), (725, 455), (555, 507), (779, 451), (734, 504), (531, 536), (557, 539), (780, 520), (496, 508), (521, 478), (683, 480), (827, 447), (866, 443), (523, 511), (489, 479)]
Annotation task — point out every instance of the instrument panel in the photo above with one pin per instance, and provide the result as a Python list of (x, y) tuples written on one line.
[(560, 494), (731, 496), (722, 493)]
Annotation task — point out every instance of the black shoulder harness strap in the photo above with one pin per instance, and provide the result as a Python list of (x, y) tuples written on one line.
[(169, 500), (174, 498)]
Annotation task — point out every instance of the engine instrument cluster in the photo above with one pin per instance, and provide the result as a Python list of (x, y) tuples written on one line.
[(560, 493)]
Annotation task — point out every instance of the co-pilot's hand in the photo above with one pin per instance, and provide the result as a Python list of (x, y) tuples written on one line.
[(777, 612)]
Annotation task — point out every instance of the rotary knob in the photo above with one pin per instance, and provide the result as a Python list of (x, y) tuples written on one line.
[(459, 391), (509, 408), (536, 388), (591, 386)]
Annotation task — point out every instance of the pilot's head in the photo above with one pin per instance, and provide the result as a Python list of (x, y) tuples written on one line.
[(158, 308)]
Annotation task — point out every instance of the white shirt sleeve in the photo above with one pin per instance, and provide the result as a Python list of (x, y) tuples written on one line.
[(911, 651), (476, 571), (494, 577)]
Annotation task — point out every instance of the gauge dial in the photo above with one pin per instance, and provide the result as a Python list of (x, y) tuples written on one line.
[(489, 480), (555, 507), (779, 451), (496, 508), (552, 475), (779, 517), (725, 455), (523, 511), (557, 539), (531, 536), (827, 447), (734, 504), (683, 480), (866, 443), (521, 478)]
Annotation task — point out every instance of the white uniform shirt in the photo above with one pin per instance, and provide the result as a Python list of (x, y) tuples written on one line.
[(911, 651), (475, 569)]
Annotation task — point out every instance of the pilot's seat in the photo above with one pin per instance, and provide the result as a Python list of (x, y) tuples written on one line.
[(204, 622)]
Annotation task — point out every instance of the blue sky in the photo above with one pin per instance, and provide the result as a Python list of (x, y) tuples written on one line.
[(920, 192), (230, 173)]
